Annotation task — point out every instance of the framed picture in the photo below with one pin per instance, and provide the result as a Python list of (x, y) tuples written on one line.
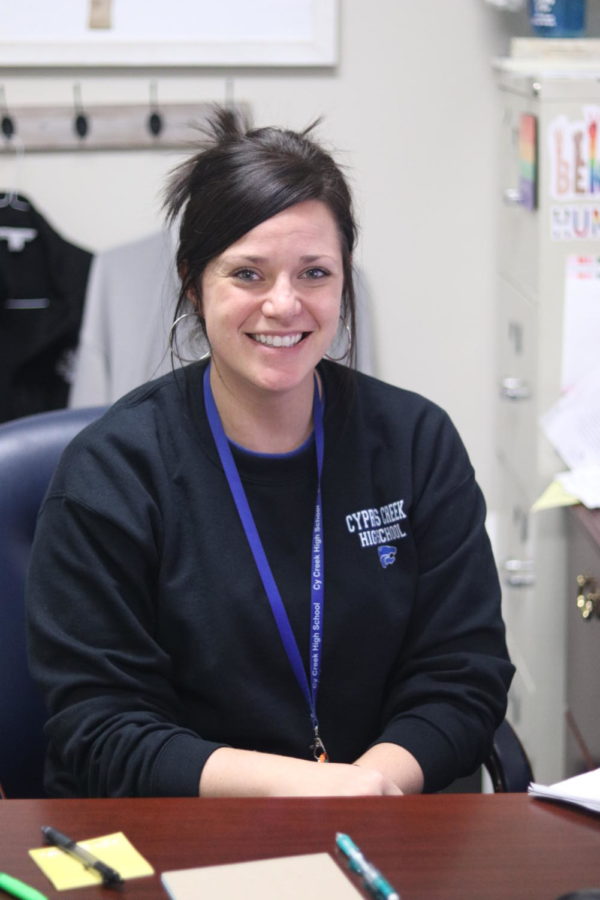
[(185, 33)]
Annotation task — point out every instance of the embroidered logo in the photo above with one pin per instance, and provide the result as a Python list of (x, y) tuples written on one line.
[(387, 555), (377, 526)]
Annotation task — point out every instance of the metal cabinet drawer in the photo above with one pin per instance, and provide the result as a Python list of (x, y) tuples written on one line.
[(530, 551), (516, 402)]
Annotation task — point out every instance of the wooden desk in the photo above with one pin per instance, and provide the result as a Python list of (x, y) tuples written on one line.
[(440, 847)]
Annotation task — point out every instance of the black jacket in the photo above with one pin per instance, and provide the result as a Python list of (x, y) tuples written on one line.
[(42, 292)]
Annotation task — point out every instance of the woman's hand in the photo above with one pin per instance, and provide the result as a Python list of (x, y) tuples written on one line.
[(343, 780), (243, 773)]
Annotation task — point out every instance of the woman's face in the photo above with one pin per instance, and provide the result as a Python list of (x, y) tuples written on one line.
[(271, 301)]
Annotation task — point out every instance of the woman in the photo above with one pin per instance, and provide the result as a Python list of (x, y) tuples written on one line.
[(264, 561)]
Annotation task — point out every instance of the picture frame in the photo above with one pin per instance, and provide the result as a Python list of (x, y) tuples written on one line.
[(173, 33)]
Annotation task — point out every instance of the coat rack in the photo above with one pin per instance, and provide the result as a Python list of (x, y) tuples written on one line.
[(115, 127)]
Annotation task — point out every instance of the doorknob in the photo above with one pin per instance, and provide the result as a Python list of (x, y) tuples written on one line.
[(588, 598)]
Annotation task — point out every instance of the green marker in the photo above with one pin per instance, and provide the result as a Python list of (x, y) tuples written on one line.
[(19, 888)]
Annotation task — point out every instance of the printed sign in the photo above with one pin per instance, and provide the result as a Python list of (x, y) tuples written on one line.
[(575, 176), (575, 222), (574, 162)]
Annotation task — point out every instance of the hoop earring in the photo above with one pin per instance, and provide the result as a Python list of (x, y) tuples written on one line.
[(346, 352), (173, 342)]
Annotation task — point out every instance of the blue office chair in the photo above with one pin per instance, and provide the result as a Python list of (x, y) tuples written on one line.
[(29, 451)]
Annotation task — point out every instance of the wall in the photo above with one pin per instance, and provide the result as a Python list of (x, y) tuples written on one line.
[(411, 111)]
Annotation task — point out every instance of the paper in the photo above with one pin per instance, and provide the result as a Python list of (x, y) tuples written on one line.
[(66, 872), (583, 790), (554, 495), (572, 425), (581, 318), (286, 878), (584, 483)]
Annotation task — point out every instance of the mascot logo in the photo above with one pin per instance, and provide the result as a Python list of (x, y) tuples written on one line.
[(387, 555)]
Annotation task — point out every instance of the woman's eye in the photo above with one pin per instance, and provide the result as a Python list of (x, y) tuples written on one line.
[(315, 272), (245, 275)]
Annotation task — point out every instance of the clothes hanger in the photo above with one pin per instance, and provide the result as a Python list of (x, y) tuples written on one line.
[(11, 198), (7, 125), (16, 235)]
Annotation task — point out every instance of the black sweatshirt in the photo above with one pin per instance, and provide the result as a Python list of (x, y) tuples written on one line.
[(150, 632)]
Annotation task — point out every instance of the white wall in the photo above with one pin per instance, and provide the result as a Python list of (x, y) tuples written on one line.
[(411, 111)]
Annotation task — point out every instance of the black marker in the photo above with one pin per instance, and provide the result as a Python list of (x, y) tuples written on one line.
[(110, 877)]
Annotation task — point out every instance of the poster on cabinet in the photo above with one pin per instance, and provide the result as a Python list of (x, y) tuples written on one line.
[(574, 172)]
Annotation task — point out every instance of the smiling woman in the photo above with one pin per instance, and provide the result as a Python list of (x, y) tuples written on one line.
[(265, 560), (271, 277)]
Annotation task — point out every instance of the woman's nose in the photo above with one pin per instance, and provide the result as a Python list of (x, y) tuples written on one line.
[(282, 301)]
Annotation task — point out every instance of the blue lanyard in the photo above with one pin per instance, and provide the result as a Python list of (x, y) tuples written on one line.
[(317, 573)]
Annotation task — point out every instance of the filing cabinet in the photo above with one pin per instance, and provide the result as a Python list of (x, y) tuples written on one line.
[(583, 642), (534, 243)]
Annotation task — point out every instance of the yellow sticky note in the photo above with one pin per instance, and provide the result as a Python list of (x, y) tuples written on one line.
[(554, 495), (66, 872)]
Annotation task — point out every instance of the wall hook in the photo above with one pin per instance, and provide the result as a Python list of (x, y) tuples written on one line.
[(6, 122), (80, 122), (155, 119)]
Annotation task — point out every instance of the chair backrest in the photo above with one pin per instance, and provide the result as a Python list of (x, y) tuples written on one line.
[(29, 452), (508, 764)]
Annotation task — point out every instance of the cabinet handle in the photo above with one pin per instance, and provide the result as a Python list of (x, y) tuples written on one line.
[(514, 389), (511, 196), (588, 598), (519, 573)]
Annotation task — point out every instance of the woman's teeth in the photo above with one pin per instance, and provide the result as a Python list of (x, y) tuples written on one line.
[(278, 340)]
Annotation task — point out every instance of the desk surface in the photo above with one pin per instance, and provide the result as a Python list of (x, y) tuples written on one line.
[(446, 846)]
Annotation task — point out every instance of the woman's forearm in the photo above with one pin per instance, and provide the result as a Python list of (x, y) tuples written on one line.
[(396, 764), (243, 773)]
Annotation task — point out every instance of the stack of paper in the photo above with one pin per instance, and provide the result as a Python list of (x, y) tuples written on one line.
[(583, 790), (572, 426)]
